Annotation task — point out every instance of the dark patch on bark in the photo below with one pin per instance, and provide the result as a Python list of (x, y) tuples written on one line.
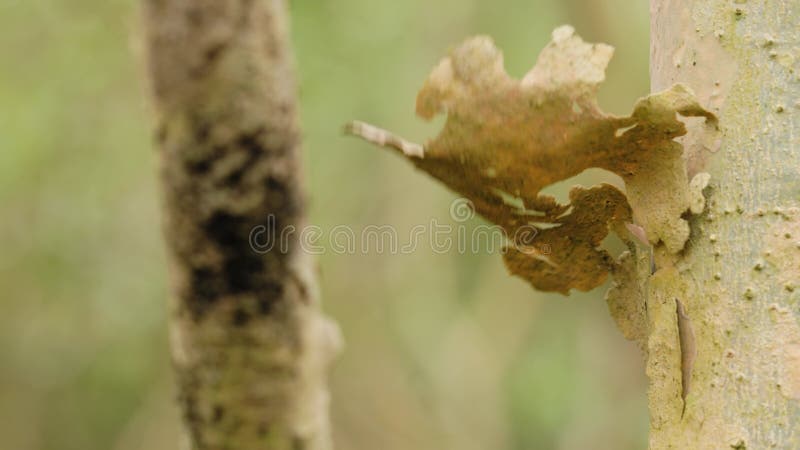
[(218, 414), (198, 167), (206, 288), (251, 143), (241, 269), (212, 53), (240, 317)]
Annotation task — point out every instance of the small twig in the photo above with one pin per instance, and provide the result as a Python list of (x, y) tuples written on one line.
[(383, 138)]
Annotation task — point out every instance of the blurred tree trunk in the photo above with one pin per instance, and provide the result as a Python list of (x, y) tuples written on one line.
[(251, 349), (740, 272)]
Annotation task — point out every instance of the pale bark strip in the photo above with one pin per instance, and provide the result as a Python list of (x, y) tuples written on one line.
[(739, 275), (251, 349)]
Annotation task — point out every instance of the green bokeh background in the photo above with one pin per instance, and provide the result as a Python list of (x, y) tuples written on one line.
[(443, 351)]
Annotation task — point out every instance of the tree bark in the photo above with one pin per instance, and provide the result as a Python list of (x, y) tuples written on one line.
[(738, 278), (251, 349)]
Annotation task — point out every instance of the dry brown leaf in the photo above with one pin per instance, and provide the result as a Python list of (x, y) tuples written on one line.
[(506, 138)]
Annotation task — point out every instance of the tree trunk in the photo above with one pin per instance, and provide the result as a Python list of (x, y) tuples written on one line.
[(251, 349), (738, 280)]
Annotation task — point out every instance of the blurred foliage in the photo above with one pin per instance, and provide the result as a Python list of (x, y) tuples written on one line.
[(444, 351)]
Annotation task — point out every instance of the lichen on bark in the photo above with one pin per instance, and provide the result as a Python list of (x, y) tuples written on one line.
[(507, 138), (742, 261)]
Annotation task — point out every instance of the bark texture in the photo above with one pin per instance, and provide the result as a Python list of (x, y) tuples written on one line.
[(738, 279), (250, 347)]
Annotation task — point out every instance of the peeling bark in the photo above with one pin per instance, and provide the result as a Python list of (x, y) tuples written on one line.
[(508, 139), (738, 274), (250, 347)]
